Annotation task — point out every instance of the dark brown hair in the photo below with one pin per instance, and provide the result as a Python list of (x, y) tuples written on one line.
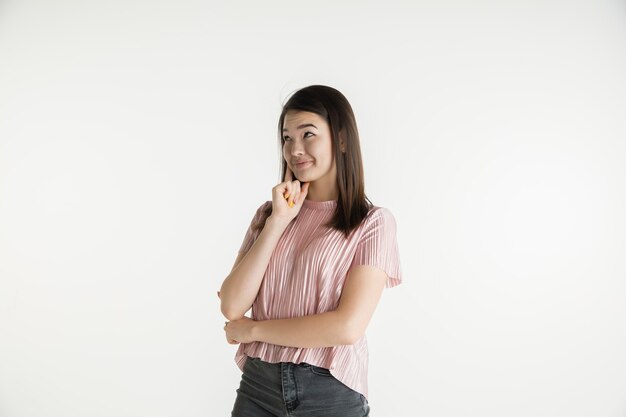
[(327, 102)]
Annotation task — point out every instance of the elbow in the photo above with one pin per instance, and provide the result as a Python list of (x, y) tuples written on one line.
[(351, 333), (351, 338), (230, 312), (229, 309), (226, 313)]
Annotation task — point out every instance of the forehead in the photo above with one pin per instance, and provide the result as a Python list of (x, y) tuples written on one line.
[(293, 119)]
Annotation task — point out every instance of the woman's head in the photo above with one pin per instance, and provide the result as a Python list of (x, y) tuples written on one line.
[(332, 147), (307, 146)]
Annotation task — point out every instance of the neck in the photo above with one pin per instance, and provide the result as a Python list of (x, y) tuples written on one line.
[(321, 194)]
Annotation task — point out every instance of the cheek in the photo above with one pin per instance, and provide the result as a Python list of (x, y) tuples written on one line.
[(325, 151)]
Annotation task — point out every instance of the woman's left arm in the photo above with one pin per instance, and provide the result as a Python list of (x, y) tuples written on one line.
[(344, 326)]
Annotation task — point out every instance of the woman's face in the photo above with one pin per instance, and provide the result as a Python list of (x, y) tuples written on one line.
[(308, 138)]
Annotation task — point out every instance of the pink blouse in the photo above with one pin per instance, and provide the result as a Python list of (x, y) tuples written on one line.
[(305, 276)]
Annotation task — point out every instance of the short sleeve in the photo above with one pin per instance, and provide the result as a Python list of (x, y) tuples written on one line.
[(378, 246), (251, 235)]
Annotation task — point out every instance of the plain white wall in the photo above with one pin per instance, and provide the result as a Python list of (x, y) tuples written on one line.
[(138, 137)]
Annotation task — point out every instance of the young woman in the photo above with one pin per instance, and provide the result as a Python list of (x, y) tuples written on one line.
[(312, 265)]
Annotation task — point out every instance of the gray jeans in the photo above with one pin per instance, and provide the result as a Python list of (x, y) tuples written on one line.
[(294, 390)]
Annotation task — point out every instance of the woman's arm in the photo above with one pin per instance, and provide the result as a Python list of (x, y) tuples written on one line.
[(343, 326), (241, 286)]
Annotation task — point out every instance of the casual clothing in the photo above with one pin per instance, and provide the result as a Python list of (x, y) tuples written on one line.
[(305, 276), (280, 389)]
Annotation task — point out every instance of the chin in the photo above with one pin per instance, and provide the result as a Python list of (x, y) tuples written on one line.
[(305, 178)]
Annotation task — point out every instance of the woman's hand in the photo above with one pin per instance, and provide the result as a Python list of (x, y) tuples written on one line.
[(287, 197), (239, 331)]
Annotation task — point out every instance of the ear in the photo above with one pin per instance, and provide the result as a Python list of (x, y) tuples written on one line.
[(342, 140)]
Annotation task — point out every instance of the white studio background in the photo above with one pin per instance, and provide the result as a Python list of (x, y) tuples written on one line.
[(137, 138)]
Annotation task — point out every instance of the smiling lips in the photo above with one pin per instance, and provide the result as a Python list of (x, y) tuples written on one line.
[(303, 164)]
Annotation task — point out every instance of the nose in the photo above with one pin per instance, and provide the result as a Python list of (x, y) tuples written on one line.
[(297, 148)]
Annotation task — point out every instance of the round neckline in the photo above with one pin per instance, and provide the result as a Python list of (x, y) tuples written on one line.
[(319, 205)]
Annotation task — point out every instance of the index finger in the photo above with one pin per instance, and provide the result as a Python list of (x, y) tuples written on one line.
[(288, 174)]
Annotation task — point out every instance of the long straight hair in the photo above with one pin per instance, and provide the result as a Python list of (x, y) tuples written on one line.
[(330, 104)]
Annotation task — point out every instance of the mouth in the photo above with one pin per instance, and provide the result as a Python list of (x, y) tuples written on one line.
[(302, 165)]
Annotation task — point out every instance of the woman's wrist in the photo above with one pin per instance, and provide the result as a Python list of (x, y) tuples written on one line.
[(277, 222), (254, 331)]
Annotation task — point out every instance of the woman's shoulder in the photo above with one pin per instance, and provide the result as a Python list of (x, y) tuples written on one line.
[(261, 214), (263, 207), (379, 213), (378, 218)]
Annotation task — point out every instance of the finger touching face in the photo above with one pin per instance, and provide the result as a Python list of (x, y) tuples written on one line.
[(288, 174)]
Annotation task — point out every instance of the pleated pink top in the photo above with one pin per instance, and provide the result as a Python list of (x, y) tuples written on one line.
[(305, 276)]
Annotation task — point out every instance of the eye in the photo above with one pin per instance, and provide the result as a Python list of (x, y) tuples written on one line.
[(287, 138)]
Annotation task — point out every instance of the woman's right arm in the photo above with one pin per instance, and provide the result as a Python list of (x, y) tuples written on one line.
[(241, 286)]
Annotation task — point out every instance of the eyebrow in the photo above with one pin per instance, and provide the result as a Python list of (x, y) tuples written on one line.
[(302, 126)]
